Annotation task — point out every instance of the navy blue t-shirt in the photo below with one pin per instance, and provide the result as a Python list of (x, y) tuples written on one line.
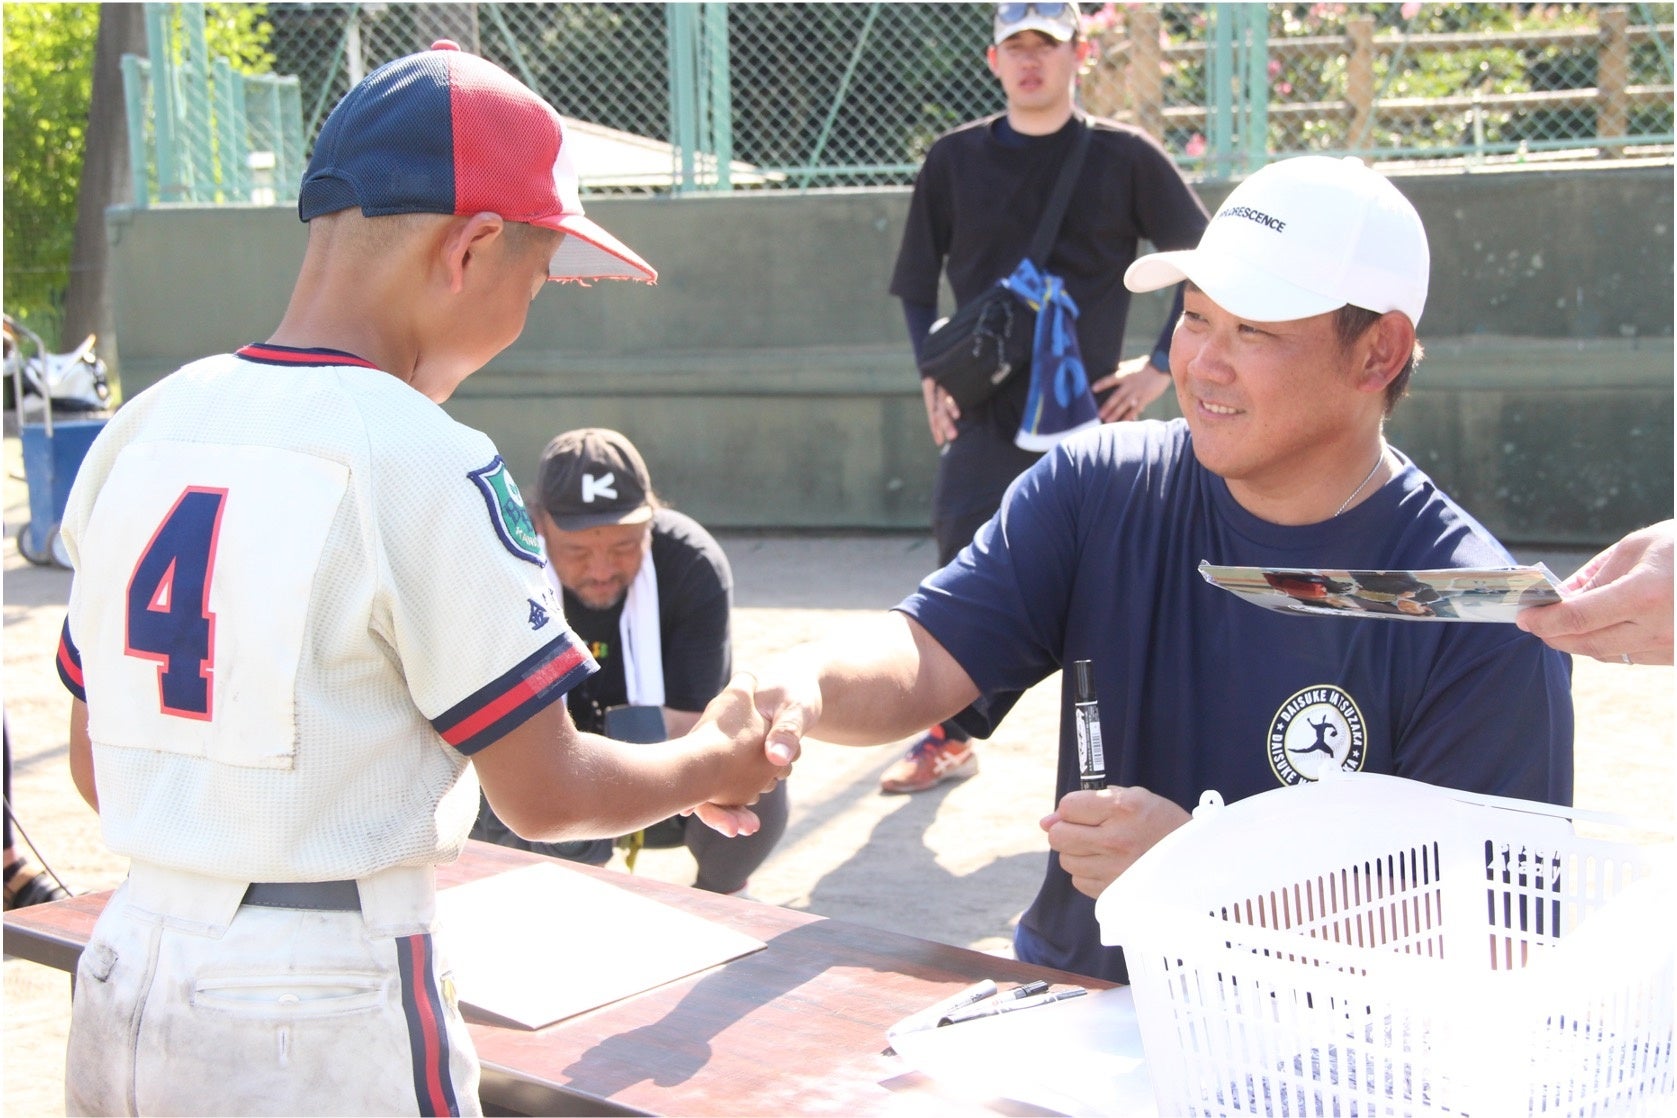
[(1094, 556)]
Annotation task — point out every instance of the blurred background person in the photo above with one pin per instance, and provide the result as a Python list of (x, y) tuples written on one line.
[(650, 593)]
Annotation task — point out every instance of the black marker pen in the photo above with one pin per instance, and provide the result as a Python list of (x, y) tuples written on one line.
[(933, 1016), (996, 1006), (1091, 761)]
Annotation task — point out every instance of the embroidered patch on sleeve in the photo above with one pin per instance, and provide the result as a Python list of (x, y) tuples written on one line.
[(507, 512)]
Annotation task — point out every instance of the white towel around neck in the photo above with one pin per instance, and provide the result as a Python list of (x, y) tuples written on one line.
[(643, 638)]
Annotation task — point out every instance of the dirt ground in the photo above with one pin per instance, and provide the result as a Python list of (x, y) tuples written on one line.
[(957, 864)]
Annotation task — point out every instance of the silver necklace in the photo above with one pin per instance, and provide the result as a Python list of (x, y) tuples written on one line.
[(1362, 483)]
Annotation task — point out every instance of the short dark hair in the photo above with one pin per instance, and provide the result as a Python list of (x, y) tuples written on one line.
[(1351, 323), (523, 237)]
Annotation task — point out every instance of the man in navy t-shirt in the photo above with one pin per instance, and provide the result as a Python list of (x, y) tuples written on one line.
[(1297, 338)]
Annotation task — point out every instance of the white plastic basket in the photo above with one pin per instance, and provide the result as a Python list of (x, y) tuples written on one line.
[(1369, 945)]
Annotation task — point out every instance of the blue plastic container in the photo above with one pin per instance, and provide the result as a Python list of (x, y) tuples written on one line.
[(50, 462)]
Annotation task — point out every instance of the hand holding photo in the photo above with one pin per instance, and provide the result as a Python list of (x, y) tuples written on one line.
[(1493, 594)]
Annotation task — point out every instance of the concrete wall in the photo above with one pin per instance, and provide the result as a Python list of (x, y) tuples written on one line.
[(766, 377)]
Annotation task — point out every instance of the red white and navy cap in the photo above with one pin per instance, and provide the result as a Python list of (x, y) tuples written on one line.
[(447, 132)]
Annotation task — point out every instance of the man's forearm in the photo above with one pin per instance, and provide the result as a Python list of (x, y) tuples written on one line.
[(884, 681), (918, 317)]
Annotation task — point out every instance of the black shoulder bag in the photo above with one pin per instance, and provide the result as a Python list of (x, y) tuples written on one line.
[(976, 350)]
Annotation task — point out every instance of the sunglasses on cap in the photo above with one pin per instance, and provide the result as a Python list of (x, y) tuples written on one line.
[(1012, 13)]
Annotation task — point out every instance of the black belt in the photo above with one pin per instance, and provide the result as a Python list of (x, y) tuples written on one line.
[(327, 896)]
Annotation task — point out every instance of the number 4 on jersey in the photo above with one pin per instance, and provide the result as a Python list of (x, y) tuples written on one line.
[(169, 620)]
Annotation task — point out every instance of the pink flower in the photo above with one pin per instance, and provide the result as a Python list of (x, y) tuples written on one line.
[(1411, 10), (1196, 146), (1102, 21)]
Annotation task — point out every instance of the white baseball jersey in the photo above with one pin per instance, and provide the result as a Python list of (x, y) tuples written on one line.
[(303, 596)]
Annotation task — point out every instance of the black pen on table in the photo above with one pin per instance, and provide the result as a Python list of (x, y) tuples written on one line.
[(1091, 761), (932, 1016), (996, 1006), (1028, 990)]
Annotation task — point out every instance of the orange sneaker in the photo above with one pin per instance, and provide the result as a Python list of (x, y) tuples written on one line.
[(929, 762)]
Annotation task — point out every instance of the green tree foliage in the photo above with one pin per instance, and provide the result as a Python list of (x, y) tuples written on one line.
[(48, 63), (49, 80)]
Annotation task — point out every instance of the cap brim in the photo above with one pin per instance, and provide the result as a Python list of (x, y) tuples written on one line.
[(1059, 32), (1238, 287), (588, 253), (584, 522)]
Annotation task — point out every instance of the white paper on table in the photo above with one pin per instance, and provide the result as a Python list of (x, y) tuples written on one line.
[(1081, 1056), (541, 943)]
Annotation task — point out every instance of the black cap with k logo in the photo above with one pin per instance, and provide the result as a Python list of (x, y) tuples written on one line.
[(594, 476)]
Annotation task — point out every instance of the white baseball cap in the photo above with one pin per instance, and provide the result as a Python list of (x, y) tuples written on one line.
[(1300, 238), (1058, 21)]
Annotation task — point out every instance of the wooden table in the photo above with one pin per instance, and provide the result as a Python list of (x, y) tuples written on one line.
[(797, 1028)]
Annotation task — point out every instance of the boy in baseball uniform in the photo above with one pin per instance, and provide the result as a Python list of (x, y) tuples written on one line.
[(310, 616)]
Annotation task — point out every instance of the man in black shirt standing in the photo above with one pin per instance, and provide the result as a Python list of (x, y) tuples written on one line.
[(650, 592), (976, 204)]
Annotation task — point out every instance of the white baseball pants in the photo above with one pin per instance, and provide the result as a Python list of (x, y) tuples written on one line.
[(187, 1002)]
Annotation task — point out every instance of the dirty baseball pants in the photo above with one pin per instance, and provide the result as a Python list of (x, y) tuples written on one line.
[(189, 1001)]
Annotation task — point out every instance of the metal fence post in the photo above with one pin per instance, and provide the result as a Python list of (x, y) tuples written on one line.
[(195, 105), (1359, 79), (684, 125), (160, 47), (1612, 75), (134, 103), (1219, 91), (1255, 89), (721, 92), (227, 101)]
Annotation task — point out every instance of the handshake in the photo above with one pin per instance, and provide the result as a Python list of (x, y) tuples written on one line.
[(869, 685), (755, 733)]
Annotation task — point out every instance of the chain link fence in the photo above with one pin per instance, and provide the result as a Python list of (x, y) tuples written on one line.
[(1230, 87), (205, 131), (713, 96), (222, 100), (677, 97)]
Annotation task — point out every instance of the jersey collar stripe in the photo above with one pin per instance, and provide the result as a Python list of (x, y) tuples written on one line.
[(70, 664), (289, 355), (512, 699), (427, 1027)]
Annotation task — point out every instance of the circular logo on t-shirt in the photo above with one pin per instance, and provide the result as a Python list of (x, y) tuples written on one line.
[(1315, 728)]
